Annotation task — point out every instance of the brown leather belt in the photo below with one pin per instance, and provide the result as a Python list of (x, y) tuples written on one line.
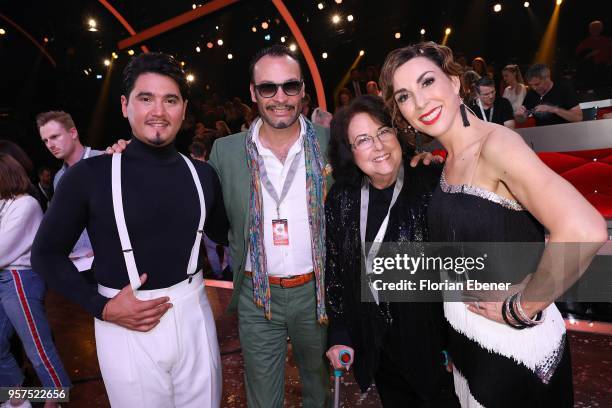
[(291, 282)]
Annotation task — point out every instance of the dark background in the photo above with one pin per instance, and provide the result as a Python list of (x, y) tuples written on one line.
[(30, 84)]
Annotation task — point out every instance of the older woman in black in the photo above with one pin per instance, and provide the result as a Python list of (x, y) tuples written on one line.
[(398, 345)]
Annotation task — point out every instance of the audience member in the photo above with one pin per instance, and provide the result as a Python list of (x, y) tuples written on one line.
[(595, 57), (549, 103), (515, 89), (321, 117), (467, 92), (344, 97), (45, 185), (489, 108), (372, 88), (356, 83), (222, 128), (479, 65)]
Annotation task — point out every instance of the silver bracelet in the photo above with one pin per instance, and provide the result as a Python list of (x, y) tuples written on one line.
[(523, 316)]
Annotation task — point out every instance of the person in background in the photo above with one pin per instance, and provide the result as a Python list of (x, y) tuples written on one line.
[(321, 117), (479, 65), (344, 97), (490, 108), (22, 290), (515, 89), (549, 102), (372, 88), (45, 185), (468, 90)]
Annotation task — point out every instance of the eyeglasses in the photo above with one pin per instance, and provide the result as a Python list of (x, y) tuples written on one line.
[(365, 142), (269, 89)]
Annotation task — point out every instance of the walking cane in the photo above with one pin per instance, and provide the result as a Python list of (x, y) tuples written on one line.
[(345, 359)]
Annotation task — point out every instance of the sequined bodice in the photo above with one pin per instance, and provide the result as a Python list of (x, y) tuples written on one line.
[(464, 213)]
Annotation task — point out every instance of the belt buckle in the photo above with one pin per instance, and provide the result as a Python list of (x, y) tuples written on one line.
[(282, 283)]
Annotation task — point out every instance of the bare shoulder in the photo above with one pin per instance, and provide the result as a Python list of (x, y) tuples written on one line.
[(503, 143)]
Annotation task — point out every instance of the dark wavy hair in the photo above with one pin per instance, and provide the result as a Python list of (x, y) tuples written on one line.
[(340, 151), (440, 55)]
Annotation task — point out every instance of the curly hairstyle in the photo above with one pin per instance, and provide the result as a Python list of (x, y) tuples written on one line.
[(440, 55), (340, 151)]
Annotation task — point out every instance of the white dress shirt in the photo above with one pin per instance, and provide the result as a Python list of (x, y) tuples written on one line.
[(295, 258)]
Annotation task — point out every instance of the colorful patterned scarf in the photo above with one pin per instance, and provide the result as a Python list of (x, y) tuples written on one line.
[(315, 196)]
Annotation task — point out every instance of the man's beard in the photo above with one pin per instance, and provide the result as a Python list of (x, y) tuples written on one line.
[(158, 140), (284, 124)]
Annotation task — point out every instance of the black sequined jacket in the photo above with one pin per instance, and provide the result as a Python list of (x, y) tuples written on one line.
[(363, 325)]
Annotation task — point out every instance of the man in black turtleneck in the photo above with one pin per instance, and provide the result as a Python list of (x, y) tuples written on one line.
[(145, 211)]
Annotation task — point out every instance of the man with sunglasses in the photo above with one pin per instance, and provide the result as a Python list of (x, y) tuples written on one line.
[(274, 180)]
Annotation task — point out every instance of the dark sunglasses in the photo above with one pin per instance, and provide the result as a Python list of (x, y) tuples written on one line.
[(269, 89)]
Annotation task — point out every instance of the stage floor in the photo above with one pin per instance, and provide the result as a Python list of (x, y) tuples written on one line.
[(73, 331)]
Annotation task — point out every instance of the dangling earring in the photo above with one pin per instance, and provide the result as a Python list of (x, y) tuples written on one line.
[(464, 117)]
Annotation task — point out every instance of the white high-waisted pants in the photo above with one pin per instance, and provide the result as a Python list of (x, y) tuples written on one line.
[(176, 364)]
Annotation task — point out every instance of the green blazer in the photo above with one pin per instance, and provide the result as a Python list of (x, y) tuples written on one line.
[(229, 159)]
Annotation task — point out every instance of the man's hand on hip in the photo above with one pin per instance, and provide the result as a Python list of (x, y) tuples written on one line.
[(134, 314)]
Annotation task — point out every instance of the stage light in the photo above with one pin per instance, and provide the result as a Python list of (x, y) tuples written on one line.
[(98, 76), (114, 55), (497, 8), (283, 39), (422, 31), (447, 31), (324, 55), (46, 40), (398, 35), (106, 62), (338, 1), (265, 25), (217, 28), (320, 6), (190, 78), (209, 45), (254, 29), (293, 47), (198, 49), (361, 53), (349, 17), (2, 31), (86, 72), (92, 25), (182, 63), (267, 37), (526, 4), (336, 19), (193, 6), (230, 56), (559, 2), (130, 52), (219, 42)]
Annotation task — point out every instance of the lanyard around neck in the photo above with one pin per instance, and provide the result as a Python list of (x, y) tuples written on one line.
[(363, 221), (490, 119)]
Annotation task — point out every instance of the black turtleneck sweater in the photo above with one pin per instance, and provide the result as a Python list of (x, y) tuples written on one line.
[(161, 209)]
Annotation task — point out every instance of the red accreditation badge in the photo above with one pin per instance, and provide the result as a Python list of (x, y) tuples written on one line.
[(280, 232)]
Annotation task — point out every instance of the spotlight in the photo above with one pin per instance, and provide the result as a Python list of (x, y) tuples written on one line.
[(130, 52), (2, 31), (92, 23), (98, 76), (198, 49), (422, 31), (230, 56), (216, 27), (398, 35), (349, 17), (86, 72), (265, 25), (190, 78), (293, 47), (209, 45), (361, 53), (46, 40), (324, 55), (254, 29), (447, 31), (193, 6), (338, 1), (497, 8), (559, 2), (219, 42), (336, 19), (182, 63), (526, 4), (114, 55), (267, 37), (106, 62), (283, 39), (320, 6)]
